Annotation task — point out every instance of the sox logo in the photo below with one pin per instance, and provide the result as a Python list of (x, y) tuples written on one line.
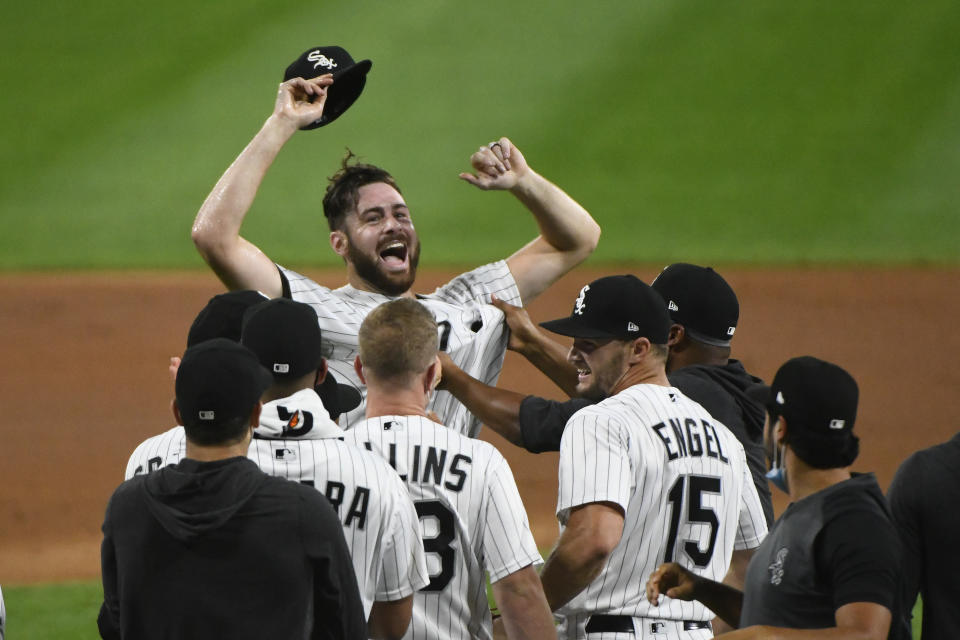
[(321, 60)]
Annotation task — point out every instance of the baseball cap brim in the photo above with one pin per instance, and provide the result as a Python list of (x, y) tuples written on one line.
[(337, 398), (573, 328)]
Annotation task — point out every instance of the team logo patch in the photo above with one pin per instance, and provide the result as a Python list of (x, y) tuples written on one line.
[(321, 60), (581, 302), (207, 415), (776, 569)]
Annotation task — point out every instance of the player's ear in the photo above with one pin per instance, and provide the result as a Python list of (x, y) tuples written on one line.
[(321, 372), (676, 336), (358, 367), (339, 242), (780, 430), (176, 411), (433, 373), (255, 415), (639, 349)]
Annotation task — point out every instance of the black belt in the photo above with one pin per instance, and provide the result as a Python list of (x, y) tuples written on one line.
[(624, 624)]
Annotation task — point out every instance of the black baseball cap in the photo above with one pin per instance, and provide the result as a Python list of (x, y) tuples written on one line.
[(349, 78), (620, 307), (223, 316), (701, 300), (819, 401), (286, 337), (218, 380)]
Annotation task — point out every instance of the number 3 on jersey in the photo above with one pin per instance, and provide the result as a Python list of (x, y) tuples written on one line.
[(694, 487), (435, 517)]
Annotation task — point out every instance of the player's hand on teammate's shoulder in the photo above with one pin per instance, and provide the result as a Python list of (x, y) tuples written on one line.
[(498, 166), (671, 580), (300, 102), (523, 333)]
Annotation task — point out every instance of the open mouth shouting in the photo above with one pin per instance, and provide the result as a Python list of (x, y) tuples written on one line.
[(394, 256)]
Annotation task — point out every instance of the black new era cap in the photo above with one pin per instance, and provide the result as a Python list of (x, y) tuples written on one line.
[(218, 380), (619, 307), (349, 78), (701, 300), (814, 396), (819, 401), (223, 316), (286, 337)]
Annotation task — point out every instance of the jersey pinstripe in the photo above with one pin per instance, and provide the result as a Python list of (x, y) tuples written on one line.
[(471, 330), (378, 517), (472, 517), (684, 485)]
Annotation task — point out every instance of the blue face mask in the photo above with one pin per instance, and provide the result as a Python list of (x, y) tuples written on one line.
[(778, 473)]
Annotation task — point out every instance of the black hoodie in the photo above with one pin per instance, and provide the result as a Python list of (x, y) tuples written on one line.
[(719, 389), (222, 550)]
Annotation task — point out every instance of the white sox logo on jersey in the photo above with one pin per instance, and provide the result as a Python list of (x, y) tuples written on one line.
[(776, 569), (580, 304), (321, 60)]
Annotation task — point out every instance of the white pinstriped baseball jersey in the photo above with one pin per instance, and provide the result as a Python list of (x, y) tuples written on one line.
[(472, 517), (683, 482), (472, 331), (295, 441)]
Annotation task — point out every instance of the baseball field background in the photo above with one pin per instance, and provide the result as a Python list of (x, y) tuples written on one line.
[(810, 151)]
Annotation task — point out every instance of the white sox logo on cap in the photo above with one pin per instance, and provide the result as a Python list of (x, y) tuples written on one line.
[(321, 60), (580, 304)]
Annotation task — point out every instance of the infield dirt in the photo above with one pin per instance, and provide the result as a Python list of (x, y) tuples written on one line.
[(85, 380)]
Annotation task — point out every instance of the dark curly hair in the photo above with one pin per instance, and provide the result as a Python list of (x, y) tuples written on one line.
[(341, 196)]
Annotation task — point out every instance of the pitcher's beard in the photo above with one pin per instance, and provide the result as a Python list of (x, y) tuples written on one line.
[(385, 283)]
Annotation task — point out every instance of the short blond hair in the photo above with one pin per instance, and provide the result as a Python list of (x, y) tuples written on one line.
[(398, 339)]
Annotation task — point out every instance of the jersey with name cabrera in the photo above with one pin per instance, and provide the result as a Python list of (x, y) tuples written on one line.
[(472, 517), (296, 440), (683, 483), (471, 330)]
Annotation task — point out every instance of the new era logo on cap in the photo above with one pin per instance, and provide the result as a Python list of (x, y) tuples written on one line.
[(780, 399), (281, 368), (207, 415), (632, 327), (673, 306), (731, 330), (837, 424)]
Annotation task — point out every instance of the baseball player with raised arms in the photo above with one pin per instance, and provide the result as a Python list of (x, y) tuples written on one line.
[(295, 439), (646, 474), (372, 229), (472, 516)]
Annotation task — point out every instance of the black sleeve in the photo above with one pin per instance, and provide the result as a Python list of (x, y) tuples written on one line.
[(542, 421), (108, 621), (904, 505), (337, 607), (858, 554), (284, 284)]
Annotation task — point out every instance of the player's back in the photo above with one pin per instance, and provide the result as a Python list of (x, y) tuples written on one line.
[(471, 515), (376, 513), (683, 480)]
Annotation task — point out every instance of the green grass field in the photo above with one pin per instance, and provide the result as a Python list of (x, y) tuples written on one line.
[(751, 132), (52, 612)]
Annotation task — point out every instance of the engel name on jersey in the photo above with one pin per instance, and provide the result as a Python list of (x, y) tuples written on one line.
[(471, 514), (379, 521), (683, 482), (471, 331)]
